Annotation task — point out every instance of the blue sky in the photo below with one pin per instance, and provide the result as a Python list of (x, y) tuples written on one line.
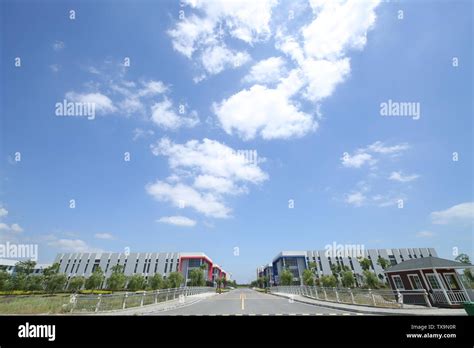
[(301, 83)]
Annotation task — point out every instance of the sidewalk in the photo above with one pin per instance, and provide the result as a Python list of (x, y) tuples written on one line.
[(374, 310), (155, 309)]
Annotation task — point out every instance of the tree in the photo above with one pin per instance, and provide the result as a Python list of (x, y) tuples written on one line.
[(337, 271), (384, 263), (464, 258), (156, 282), (286, 277), (261, 282), (34, 282), (53, 269), (95, 279), (371, 280), (347, 279), (76, 283), (136, 282), (308, 277), (4, 280), (117, 279), (25, 267), (365, 263), (328, 281), (55, 282), (175, 279), (313, 266), (196, 277)]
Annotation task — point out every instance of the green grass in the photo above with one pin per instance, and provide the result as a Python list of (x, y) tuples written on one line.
[(39, 304)]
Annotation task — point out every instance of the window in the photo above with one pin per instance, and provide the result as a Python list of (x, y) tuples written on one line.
[(433, 280), (193, 263), (451, 281), (397, 280), (392, 260), (415, 281)]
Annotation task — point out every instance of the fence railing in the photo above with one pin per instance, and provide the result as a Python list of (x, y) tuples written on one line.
[(108, 302), (367, 297), (455, 297)]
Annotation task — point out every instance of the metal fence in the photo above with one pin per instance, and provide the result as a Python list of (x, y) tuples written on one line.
[(108, 302), (367, 297)]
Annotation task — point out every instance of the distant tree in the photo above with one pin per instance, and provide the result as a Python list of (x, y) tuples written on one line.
[(337, 271), (384, 263), (286, 277), (76, 283), (313, 266), (55, 282), (136, 282), (19, 281), (464, 258), (196, 277), (261, 282), (53, 269), (95, 279), (371, 280), (25, 267), (175, 279), (156, 282), (308, 277), (365, 263), (328, 281), (347, 279), (34, 282), (4, 280), (117, 279)]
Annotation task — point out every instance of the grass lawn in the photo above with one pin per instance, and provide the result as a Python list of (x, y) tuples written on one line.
[(36, 304)]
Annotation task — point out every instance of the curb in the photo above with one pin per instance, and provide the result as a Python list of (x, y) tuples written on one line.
[(356, 310)]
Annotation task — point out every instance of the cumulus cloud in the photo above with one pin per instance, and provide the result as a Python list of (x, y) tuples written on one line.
[(356, 199), (164, 115), (177, 221), (266, 71), (318, 52), (399, 176), (15, 228), (204, 173), (103, 104), (3, 212), (265, 112), (202, 33), (366, 155), (460, 213)]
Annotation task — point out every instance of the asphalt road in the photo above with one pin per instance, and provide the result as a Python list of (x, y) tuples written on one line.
[(250, 302)]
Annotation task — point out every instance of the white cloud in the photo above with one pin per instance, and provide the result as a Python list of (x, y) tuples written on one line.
[(217, 58), (260, 111), (425, 234), (337, 27), (163, 115), (366, 155), (356, 199), (266, 71), (323, 76), (246, 20), (460, 213), (380, 147), (15, 228), (203, 174), (58, 45), (178, 221), (107, 236), (102, 103), (207, 203), (73, 245), (357, 160), (3, 212), (139, 133), (399, 176)]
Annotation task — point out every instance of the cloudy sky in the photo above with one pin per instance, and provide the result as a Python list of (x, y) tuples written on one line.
[(237, 128)]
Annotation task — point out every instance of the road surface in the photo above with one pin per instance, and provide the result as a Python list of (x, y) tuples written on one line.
[(249, 302)]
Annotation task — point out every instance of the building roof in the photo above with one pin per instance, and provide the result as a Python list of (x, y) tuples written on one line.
[(290, 254), (427, 262)]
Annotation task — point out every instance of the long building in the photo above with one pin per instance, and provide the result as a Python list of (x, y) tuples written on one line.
[(297, 261), (146, 264)]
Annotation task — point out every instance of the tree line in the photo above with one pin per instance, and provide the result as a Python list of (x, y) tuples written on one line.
[(52, 281)]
